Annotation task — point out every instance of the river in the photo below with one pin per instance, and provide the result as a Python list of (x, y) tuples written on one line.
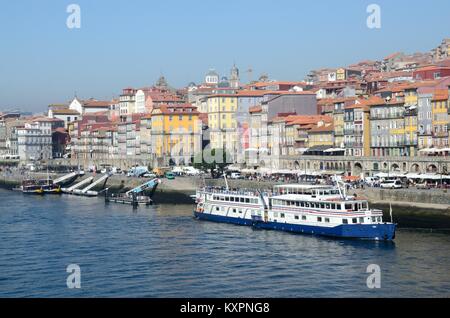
[(161, 251)]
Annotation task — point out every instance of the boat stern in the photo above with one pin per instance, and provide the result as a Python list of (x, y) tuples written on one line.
[(376, 232)]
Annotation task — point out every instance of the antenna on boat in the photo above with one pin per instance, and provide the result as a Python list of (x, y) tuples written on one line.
[(226, 181), (390, 211), (342, 193)]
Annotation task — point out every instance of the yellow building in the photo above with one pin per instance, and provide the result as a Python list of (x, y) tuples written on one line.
[(321, 136), (410, 126), (440, 118), (176, 133), (222, 122)]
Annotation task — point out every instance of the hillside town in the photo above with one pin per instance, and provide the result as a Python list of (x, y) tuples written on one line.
[(370, 111)]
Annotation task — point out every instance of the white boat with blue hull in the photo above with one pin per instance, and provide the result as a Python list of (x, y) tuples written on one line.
[(308, 209)]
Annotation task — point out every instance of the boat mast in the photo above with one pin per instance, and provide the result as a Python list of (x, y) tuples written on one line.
[(226, 181)]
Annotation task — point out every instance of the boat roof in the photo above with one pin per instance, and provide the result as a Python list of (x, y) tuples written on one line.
[(296, 197), (303, 186)]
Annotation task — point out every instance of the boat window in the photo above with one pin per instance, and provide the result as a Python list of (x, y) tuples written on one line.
[(348, 206), (322, 205), (297, 203), (247, 200), (296, 217), (302, 204), (333, 206), (242, 200), (354, 220), (234, 210), (374, 219), (303, 217), (319, 219), (217, 208), (361, 220), (282, 215), (327, 220), (344, 221), (365, 206), (327, 206), (355, 207)]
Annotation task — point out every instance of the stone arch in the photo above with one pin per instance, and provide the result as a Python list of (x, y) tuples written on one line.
[(357, 169), (376, 166), (297, 165), (405, 166), (415, 168), (395, 167), (341, 166), (432, 168), (315, 165)]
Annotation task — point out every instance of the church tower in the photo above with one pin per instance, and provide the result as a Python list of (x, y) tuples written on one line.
[(234, 77)]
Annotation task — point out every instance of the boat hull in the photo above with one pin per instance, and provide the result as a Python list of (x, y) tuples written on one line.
[(378, 232)]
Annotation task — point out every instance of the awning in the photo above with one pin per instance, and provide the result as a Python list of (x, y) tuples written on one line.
[(334, 150)]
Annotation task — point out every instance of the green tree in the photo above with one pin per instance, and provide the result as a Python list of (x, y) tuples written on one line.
[(215, 160)]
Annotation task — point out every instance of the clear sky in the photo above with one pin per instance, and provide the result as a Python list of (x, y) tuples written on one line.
[(132, 42)]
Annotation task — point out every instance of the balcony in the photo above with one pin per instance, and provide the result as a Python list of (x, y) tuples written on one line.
[(353, 144), (387, 116)]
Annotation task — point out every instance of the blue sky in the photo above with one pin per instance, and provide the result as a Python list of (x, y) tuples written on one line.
[(130, 43)]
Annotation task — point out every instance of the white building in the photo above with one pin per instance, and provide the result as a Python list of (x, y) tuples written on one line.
[(66, 115), (212, 78), (34, 140), (127, 102)]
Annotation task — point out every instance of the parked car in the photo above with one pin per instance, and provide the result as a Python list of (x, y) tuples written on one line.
[(236, 175), (169, 175), (391, 184), (370, 180), (424, 186), (149, 175)]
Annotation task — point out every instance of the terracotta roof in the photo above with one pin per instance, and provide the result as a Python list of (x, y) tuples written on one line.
[(308, 119), (255, 109), (179, 109), (324, 128), (96, 103), (67, 111), (440, 94)]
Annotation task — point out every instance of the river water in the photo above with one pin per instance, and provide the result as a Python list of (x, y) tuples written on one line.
[(161, 251)]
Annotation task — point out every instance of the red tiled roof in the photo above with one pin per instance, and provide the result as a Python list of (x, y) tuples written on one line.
[(440, 95), (255, 109), (324, 128)]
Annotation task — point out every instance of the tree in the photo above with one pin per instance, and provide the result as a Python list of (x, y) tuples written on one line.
[(215, 160)]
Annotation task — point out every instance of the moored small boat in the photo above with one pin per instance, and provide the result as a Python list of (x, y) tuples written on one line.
[(31, 187)]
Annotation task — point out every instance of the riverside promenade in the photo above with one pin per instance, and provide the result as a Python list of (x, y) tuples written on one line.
[(412, 207), (183, 187)]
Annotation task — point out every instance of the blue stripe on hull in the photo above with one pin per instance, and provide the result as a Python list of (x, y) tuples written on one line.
[(223, 219), (357, 231)]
